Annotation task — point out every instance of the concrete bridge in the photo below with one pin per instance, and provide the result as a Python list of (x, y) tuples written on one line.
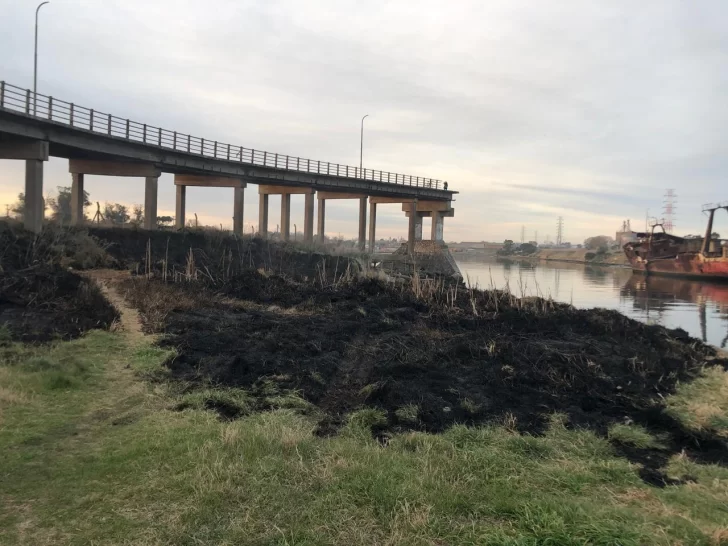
[(34, 127)]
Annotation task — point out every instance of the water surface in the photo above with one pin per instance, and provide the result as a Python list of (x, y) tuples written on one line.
[(700, 308)]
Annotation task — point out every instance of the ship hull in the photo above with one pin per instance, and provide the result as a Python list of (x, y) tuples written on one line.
[(691, 265)]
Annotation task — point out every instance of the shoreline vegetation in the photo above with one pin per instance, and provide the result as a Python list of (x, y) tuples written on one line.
[(198, 388)]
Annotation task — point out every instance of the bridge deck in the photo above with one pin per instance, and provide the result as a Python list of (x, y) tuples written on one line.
[(77, 132)]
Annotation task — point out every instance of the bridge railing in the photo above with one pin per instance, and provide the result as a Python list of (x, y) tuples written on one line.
[(67, 113)]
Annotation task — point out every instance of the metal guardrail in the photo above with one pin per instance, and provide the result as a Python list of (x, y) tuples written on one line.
[(52, 109)]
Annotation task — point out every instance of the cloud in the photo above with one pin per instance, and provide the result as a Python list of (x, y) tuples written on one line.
[(532, 110)]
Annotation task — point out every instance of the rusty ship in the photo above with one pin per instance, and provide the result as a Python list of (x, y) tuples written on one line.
[(661, 253)]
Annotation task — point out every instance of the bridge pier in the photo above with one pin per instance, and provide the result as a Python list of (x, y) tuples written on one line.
[(372, 225), (438, 221), (151, 184), (180, 204), (323, 196), (184, 180), (34, 204), (362, 223), (321, 224), (77, 180), (308, 219), (286, 216), (263, 215), (412, 232), (81, 167), (238, 207), (34, 152), (264, 190)]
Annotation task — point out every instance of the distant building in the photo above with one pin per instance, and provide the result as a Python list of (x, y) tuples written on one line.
[(624, 237)]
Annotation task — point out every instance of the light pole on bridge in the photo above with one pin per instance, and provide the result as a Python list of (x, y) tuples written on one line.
[(361, 147), (35, 57)]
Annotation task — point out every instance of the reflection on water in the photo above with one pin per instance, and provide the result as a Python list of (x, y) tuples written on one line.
[(700, 308)]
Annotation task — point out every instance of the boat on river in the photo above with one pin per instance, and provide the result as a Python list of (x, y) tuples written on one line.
[(661, 253)]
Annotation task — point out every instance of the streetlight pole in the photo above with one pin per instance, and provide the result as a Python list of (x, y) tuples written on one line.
[(35, 56), (361, 147)]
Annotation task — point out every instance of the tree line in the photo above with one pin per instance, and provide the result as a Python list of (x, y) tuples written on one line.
[(111, 213)]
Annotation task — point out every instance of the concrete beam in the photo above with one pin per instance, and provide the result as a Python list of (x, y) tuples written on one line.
[(150, 202), (362, 222), (34, 204), (340, 195), (263, 215), (448, 214), (207, 181), (238, 206), (113, 168), (180, 205), (77, 199), (372, 226), (286, 216), (428, 206), (322, 220), (389, 200), (308, 219), (264, 189), (24, 149)]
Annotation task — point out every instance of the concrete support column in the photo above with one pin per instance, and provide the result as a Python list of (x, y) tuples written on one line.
[(412, 232), (362, 223), (180, 204), (238, 203), (286, 216), (34, 205), (77, 199), (418, 226), (321, 220), (150, 202), (263, 215), (437, 226), (308, 219), (372, 226)]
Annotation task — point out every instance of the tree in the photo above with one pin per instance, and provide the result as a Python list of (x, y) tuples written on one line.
[(600, 243), (137, 215), (715, 235), (164, 220), (116, 213), (61, 204), (18, 209), (527, 248)]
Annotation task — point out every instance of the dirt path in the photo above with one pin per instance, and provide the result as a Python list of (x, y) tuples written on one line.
[(130, 323)]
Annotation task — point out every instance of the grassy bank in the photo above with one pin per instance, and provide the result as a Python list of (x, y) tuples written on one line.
[(97, 450), (582, 255)]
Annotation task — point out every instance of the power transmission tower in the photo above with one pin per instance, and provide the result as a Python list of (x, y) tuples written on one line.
[(668, 209), (523, 234), (560, 231)]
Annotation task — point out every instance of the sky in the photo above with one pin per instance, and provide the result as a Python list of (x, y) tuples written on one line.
[(588, 110)]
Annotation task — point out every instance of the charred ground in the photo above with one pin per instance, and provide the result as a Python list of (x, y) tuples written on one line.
[(283, 322)]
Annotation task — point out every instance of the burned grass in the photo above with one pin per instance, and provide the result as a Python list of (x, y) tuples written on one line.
[(40, 298), (428, 358)]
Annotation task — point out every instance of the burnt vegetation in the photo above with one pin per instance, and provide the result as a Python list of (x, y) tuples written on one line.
[(284, 324)]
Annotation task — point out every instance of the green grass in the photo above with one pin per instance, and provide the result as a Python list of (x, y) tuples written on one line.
[(636, 436), (93, 452)]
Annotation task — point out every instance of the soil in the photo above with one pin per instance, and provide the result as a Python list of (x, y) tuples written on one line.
[(486, 358)]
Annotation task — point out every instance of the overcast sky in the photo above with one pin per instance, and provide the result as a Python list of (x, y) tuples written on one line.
[(531, 110)]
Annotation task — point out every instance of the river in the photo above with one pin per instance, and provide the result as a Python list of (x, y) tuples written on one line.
[(700, 308)]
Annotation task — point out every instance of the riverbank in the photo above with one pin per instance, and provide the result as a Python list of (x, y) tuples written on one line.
[(319, 405), (582, 256)]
